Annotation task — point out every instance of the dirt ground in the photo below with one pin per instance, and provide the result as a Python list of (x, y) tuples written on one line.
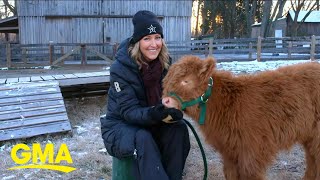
[(92, 162)]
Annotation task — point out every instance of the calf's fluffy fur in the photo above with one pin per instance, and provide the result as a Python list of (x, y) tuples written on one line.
[(250, 118)]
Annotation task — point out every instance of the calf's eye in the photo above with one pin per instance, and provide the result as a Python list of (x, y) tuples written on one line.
[(185, 82)]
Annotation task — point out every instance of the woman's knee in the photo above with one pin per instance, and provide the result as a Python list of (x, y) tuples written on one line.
[(144, 139), (143, 135), (180, 127)]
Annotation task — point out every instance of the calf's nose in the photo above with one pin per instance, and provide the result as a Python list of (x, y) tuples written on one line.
[(169, 102), (165, 101)]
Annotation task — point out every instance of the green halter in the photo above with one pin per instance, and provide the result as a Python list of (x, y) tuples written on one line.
[(202, 100)]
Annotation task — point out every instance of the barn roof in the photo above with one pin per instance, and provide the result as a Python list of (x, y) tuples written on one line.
[(314, 16), (9, 25)]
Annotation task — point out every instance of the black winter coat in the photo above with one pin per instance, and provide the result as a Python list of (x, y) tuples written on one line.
[(127, 109)]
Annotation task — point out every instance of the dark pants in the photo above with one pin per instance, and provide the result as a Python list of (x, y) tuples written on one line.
[(162, 151)]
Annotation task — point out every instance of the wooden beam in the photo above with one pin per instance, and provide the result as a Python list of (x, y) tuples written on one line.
[(33, 121), (27, 99), (30, 105), (259, 48), (88, 80), (83, 54), (66, 55), (22, 92), (313, 48), (35, 130), (33, 113), (8, 54), (51, 53), (100, 55), (8, 28), (52, 16)]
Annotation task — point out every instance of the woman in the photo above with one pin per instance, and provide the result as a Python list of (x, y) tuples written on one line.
[(137, 124)]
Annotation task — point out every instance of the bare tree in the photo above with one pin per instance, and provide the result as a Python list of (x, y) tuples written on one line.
[(250, 12), (9, 8), (297, 6), (276, 14), (197, 20), (265, 18)]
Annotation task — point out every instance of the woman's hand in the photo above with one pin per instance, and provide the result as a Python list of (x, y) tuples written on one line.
[(167, 115), (174, 115), (158, 112)]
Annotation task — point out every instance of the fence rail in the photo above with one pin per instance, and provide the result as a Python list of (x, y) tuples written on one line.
[(242, 49), (247, 49), (18, 55)]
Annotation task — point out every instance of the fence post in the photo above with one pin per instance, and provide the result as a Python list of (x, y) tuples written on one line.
[(289, 49), (250, 50), (62, 53), (51, 52), (83, 54), (115, 49), (24, 56), (8, 54), (210, 47), (313, 47), (259, 48)]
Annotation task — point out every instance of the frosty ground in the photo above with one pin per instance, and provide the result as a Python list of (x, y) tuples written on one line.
[(92, 162)]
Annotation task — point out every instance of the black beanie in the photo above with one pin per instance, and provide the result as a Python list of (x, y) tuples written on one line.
[(145, 23)]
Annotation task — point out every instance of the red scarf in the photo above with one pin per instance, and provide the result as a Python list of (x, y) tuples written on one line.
[(151, 75)]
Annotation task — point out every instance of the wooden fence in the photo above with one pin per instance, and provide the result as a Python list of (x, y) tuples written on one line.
[(242, 49), (18, 55), (247, 49)]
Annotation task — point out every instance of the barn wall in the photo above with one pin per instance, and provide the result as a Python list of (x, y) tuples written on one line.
[(280, 25), (97, 21), (306, 29), (103, 7), (310, 29), (255, 32)]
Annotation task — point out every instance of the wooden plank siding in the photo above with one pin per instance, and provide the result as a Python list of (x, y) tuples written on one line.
[(63, 79), (31, 106), (98, 21), (103, 7), (30, 109), (71, 85)]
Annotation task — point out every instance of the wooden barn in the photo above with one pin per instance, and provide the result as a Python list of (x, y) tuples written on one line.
[(9, 30), (97, 21), (281, 25), (309, 27)]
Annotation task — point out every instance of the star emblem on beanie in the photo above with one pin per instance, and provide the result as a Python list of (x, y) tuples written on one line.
[(152, 29)]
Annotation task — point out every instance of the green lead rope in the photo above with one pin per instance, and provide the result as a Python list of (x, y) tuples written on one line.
[(205, 165), (202, 100)]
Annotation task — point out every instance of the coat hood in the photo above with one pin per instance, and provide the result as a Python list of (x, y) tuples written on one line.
[(123, 55)]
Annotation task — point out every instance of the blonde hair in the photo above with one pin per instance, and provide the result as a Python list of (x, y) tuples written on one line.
[(136, 54)]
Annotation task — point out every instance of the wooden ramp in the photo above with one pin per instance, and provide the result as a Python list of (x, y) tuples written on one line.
[(30, 109)]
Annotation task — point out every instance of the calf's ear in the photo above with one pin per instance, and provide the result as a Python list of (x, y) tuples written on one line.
[(207, 68)]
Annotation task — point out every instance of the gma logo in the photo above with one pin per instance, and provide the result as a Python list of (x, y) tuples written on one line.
[(35, 154)]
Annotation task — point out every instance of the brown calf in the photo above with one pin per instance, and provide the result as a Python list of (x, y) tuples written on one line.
[(250, 118)]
